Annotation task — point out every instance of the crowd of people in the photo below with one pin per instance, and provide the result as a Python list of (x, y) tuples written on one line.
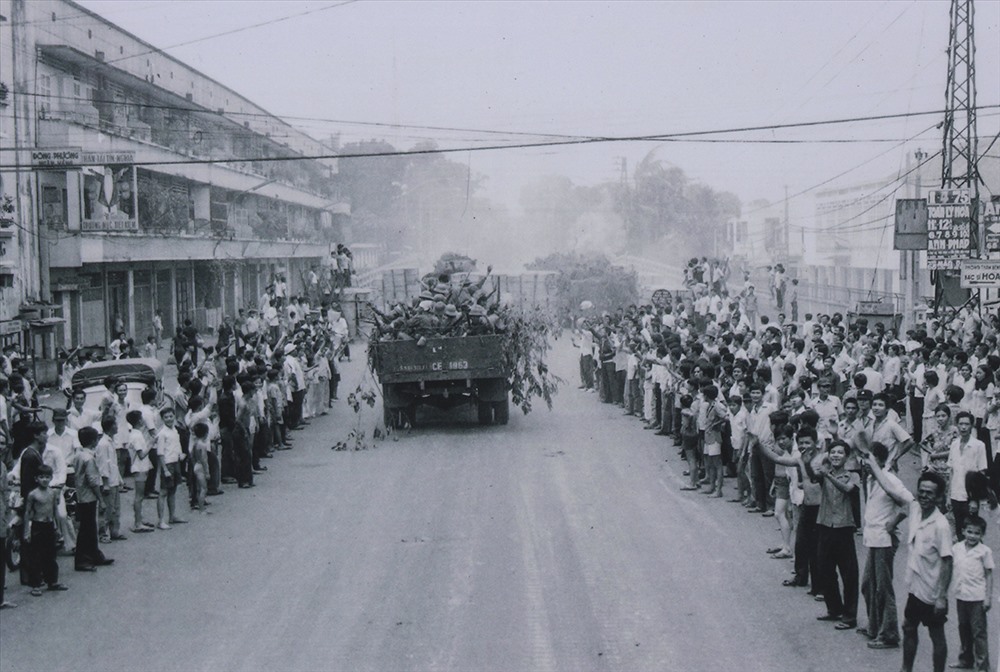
[(269, 370), (809, 422)]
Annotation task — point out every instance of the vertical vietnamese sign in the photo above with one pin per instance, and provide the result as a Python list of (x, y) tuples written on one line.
[(949, 228), (990, 211)]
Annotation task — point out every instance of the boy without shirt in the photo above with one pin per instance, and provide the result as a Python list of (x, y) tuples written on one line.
[(40, 533)]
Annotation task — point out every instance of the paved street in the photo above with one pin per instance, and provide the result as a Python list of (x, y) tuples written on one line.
[(559, 542)]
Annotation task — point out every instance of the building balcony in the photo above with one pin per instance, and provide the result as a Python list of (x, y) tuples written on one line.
[(116, 247), (236, 176)]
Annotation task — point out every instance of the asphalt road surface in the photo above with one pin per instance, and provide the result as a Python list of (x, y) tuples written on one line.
[(558, 542)]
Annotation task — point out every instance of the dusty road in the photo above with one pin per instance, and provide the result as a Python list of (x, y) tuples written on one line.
[(558, 542)]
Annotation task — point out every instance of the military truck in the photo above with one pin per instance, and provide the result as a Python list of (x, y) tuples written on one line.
[(443, 372)]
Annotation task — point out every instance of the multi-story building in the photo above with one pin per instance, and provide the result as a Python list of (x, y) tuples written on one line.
[(854, 225), (143, 184), (763, 236)]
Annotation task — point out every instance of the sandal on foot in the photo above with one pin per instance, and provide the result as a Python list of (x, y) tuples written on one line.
[(782, 555), (36, 592), (845, 625), (773, 550), (881, 644)]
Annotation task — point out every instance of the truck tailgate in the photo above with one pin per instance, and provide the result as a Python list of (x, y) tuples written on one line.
[(440, 359)]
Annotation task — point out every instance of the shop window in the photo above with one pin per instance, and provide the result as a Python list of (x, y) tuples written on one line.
[(55, 205)]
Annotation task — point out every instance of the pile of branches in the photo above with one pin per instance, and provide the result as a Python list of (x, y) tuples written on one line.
[(526, 343)]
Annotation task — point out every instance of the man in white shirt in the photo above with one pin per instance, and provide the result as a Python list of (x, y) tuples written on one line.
[(966, 454), (296, 385), (885, 510), (168, 449), (78, 417), (252, 326), (828, 408), (874, 381), (60, 452), (271, 319)]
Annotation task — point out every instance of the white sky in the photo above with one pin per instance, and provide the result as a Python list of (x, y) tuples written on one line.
[(596, 68)]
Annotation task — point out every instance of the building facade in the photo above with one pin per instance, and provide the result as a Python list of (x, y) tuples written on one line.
[(143, 185)]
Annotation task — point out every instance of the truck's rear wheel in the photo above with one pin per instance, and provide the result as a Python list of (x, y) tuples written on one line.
[(485, 410), (501, 412)]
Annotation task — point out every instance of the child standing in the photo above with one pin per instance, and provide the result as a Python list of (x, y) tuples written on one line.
[(89, 495), (972, 583), (168, 448), (138, 450), (40, 533), (715, 417), (149, 350), (199, 461), (111, 480), (738, 416), (689, 439), (276, 409)]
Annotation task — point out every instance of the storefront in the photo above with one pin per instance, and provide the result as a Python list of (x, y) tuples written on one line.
[(97, 298)]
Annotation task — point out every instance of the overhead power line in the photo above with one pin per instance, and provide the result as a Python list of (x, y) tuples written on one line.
[(659, 137), (285, 119), (158, 50)]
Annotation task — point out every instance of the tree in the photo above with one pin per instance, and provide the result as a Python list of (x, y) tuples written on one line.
[(589, 277), (665, 207), (373, 185), (562, 215)]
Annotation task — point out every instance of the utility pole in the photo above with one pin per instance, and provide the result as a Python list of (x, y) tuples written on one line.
[(787, 226), (909, 260), (959, 152), (626, 195)]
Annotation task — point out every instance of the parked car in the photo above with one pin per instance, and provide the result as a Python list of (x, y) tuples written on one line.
[(137, 374)]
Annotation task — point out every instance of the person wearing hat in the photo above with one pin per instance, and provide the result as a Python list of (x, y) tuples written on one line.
[(479, 323), (450, 318)]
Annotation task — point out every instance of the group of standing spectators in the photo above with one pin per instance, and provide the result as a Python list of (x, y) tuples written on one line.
[(810, 422), (236, 401)]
